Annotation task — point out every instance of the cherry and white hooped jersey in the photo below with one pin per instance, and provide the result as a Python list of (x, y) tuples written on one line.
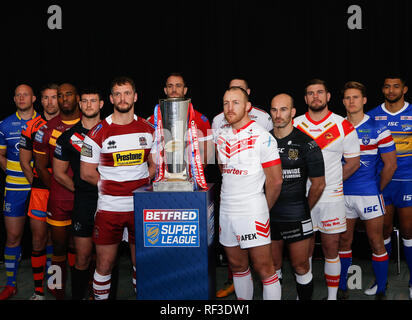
[(260, 116), (337, 138), (121, 153), (244, 153)]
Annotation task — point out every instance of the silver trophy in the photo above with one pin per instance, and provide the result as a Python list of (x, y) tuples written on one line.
[(174, 112)]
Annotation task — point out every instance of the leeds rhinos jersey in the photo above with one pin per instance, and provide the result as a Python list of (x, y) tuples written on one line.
[(336, 137), (374, 139), (10, 132), (258, 115), (244, 153), (121, 152), (400, 125)]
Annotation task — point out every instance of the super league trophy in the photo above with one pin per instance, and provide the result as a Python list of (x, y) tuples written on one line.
[(172, 165)]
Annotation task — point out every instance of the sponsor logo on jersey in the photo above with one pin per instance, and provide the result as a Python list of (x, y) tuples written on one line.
[(381, 118), (111, 145), (128, 158), (406, 117), (234, 171), (87, 150), (96, 130), (171, 227)]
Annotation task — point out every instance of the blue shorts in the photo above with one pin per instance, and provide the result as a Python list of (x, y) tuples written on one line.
[(398, 193), (15, 203)]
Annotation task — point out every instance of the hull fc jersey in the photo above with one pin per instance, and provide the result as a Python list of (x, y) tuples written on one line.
[(258, 115), (400, 125), (337, 138), (243, 154), (10, 132), (374, 139), (121, 152), (301, 158)]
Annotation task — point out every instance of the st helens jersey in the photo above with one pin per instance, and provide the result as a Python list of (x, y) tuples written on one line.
[(400, 125), (10, 131), (45, 143), (337, 138), (202, 123), (243, 154), (260, 116), (121, 153), (301, 158), (68, 148), (374, 139), (26, 142)]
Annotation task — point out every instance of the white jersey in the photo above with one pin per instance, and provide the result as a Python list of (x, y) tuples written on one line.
[(244, 153), (337, 138), (261, 117)]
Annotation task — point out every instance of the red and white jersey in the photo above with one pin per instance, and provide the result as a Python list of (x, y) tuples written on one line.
[(337, 138), (244, 153), (260, 116), (121, 153)]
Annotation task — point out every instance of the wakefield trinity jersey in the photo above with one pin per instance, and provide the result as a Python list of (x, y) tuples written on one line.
[(336, 137), (400, 125), (10, 131), (374, 139)]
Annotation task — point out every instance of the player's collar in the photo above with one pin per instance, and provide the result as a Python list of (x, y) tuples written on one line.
[(318, 122), (383, 105)]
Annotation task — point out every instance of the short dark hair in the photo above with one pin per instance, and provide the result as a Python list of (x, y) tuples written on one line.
[(241, 89), (122, 80), (316, 81), (239, 77), (176, 74), (50, 85), (396, 75), (354, 85), (91, 90)]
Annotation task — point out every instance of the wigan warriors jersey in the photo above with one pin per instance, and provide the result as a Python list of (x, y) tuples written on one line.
[(336, 137), (258, 115), (400, 125), (121, 152), (243, 154)]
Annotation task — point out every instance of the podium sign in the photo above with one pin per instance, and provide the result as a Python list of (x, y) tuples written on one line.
[(175, 258)]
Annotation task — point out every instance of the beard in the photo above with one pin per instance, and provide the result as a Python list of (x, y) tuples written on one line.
[(124, 109), (68, 111), (394, 100), (90, 116), (318, 108)]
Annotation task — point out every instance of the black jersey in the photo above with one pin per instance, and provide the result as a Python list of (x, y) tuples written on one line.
[(68, 148), (301, 158)]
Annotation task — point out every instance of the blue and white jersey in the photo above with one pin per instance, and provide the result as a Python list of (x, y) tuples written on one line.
[(10, 131), (400, 125), (374, 139)]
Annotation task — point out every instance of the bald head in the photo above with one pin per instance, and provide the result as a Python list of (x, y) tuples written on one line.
[(282, 111), (24, 97)]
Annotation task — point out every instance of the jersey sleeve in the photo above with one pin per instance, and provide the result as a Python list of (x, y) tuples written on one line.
[(41, 141), (25, 139), (385, 141), (314, 160), (269, 153), (3, 144), (62, 150), (90, 150), (351, 146)]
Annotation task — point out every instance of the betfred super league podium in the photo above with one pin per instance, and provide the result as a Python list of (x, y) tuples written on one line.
[(174, 234)]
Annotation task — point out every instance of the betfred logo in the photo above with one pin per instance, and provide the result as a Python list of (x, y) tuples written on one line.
[(169, 215)]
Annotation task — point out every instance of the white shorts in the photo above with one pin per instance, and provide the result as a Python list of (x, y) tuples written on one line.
[(329, 217), (364, 207), (246, 231)]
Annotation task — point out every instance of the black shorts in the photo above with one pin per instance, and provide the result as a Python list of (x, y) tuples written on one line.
[(83, 216), (291, 231)]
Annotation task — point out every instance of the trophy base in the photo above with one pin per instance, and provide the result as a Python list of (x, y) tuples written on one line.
[(173, 185)]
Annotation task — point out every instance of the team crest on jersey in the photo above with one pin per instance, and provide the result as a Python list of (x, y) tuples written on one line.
[(366, 140), (293, 154), (128, 158), (143, 141), (329, 136)]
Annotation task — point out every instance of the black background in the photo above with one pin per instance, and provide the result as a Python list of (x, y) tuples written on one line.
[(276, 45)]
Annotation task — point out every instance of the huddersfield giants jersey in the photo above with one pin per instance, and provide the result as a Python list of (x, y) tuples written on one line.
[(258, 115), (45, 143), (121, 152), (374, 139), (301, 158), (336, 137), (400, 125), (243, 154), (68, 148)]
